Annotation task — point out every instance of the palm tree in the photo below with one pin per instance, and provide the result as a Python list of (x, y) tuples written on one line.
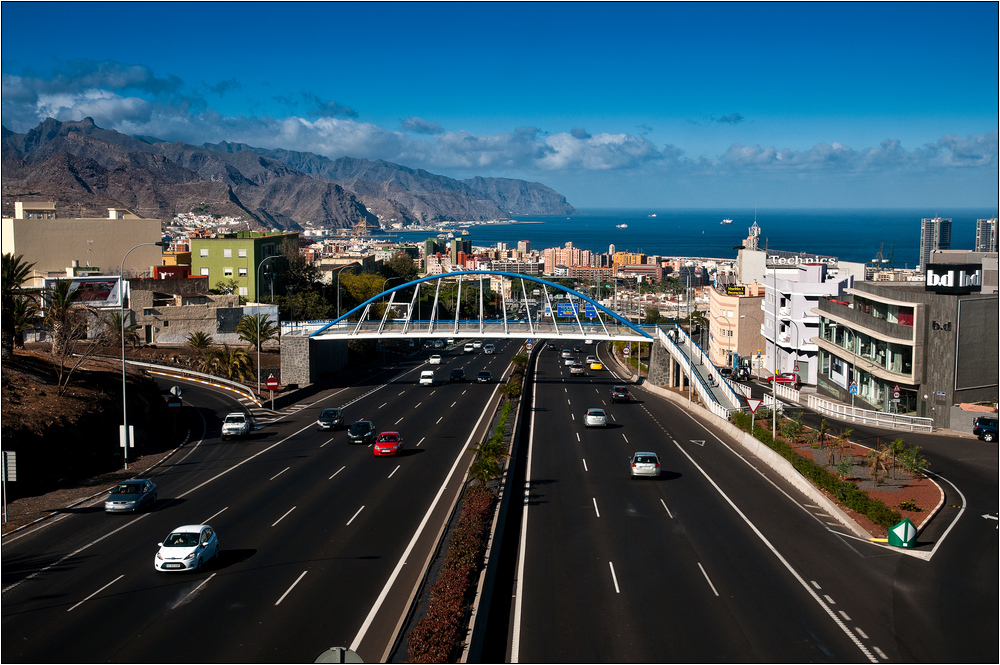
[(250, 324), (235, 363), (25, 314), (62, 315), (200, 341), (15, 272), (114, 330)]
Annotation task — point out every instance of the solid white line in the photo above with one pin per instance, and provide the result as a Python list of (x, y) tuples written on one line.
[(193, 591), (394, 471), (585, 465), (285, 515), (595, 507), (95, 593), (279, 473), (291, 587), (784, 562), (355, 515), (216, 515), (667, 509), (336, 472), (614, 577), (707, 579)]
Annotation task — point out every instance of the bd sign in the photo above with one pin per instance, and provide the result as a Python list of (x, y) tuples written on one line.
[(955, 279)]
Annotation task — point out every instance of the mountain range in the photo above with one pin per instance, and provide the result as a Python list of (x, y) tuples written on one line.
[(86, 169)]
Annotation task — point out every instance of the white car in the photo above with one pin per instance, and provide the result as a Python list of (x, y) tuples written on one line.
[(595, 418), (592, 359), (644, 464), (427, 378), (489, 349), (569, 361), (477, 344), (235, 424), (469, 348), (187, 548), (566, 353), (434, 360)]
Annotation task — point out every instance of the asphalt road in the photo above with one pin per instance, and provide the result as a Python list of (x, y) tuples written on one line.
[(717, 560), (321, 542)]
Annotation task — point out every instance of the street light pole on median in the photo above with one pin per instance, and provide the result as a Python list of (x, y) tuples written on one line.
[(256, 295)]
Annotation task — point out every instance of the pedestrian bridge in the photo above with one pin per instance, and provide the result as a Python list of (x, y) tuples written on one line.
[(522, 313)]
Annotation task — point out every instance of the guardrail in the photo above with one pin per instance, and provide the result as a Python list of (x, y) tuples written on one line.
[(869, 416), (200, 377), (735, 402)]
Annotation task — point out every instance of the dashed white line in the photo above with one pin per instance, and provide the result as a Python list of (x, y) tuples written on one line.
[(284, 516), (279, 473), (707, 579), (336, 472), (829, 600), (418, 404), (326, 442), (394, 470), (453, 404), (577, 436), (861, 633), (291, 587), (595, 507), (398, 421), (216, 515), (625, 437), (585, 465), (383, 404), (667, 509), (815, 584), (843, 615), (880, 653), (355, 515), (614, 577), (95, 593), (422, 439), (193, 591), (440, 419)]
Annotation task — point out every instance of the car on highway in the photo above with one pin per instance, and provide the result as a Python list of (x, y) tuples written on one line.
[(187, 548), (469, 348), (438, 344), (985, 428), (484, 376), (131, 496), (787, 379), (427, 378), (566, 353), (591, 359), (578, 348), (567, 361), (644, 465), (457, 375), (597, 365), (477, 344), (451, 341), (362, 431), (235, 424), (595, 418), (489, 349), (620, 394), (576, 368), (388, 443), (434, 360), (330, 419)]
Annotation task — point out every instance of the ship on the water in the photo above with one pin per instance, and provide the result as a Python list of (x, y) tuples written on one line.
[(726, 221), (621, 226)]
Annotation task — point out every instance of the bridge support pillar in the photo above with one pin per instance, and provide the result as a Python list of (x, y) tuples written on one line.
[(305, 361), (661, 366)]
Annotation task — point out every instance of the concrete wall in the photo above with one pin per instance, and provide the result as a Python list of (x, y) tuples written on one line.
[(305, 361)]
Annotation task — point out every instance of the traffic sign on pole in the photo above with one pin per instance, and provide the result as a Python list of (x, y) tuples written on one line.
[(627, 350), (272, 383), (754, 404)]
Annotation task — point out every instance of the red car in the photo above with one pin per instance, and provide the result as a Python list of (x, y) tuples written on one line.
[(388, 443), (787, 378)]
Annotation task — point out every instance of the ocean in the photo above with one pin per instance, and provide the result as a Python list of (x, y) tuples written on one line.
[(849, 235)]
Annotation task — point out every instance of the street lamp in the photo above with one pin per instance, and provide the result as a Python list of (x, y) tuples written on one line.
[(256, 296), (121, 295), (346, 265)]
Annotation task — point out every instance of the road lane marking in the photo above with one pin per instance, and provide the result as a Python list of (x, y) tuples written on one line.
[(401, 394), (625, 437), (439, 420), (667, 509), (398, 421), (394, 470), (422, 439), (861, 633), (193, 591), (595, 507), (844, 615), (216, 515), (331, 439), (418, 404), (336, 472), (284, 516), (577, 436), (453, 405), (585, 465), (355, 515), (614, 577), (880, 653), (707, 579), (279, 473), (815, 584), (95, 593), (383, 404), (291, 587), (829, 600)]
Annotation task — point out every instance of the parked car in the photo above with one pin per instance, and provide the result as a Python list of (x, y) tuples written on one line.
[(388, 443), (469, 348), (489, 349), (362, 431), (484, 376), (788, 379), (644, 465), (434, 360), (187, 548), (457, 375), (620, 394), (131, 496), (985, 428), (595, 418), (427, 378), (235, 424), (330, 419), (576, 368)]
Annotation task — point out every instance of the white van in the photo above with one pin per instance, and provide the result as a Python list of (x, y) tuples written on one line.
[(427, 377)]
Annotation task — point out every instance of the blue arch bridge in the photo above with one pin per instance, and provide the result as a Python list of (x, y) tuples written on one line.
[(529, 308)]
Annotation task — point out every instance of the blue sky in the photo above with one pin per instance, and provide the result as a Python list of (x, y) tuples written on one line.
[(614, 105)]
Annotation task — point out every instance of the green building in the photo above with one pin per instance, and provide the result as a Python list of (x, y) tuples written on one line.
[(238, 257)]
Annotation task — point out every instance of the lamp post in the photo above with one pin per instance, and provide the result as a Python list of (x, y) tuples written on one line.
[(256, 296), (121, 288), (346, 265)]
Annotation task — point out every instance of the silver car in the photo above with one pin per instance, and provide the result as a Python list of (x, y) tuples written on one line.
[(595, 418), (131, 496), (645, 465), (576, 368)]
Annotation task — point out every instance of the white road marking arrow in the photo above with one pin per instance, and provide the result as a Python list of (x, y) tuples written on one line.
[(698, 442), (989, 517)]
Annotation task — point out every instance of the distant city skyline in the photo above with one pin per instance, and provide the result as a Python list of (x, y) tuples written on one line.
[(699, 105)]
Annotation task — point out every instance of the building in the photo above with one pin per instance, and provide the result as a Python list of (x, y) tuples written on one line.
[(986, 235), (236, 259), (100, 244), (790, 324), (935, 233), (735, 319), (914, 349)]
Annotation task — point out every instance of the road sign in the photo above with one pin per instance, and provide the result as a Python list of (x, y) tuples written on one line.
[(854, 387), (174, 402), (895, 392), (796, 368), (903, 534), (590, 310), (627, 350), (754, 404), (529, 345), (10, 465), (176, 391), (272, 383)]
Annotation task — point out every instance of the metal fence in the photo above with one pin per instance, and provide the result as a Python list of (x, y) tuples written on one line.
[(870, 417)]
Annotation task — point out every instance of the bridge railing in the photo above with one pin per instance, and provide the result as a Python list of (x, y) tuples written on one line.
[(734, 400), (465, 328), (697, 382)]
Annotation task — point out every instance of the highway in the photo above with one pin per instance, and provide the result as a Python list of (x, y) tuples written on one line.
[(321, 542)]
